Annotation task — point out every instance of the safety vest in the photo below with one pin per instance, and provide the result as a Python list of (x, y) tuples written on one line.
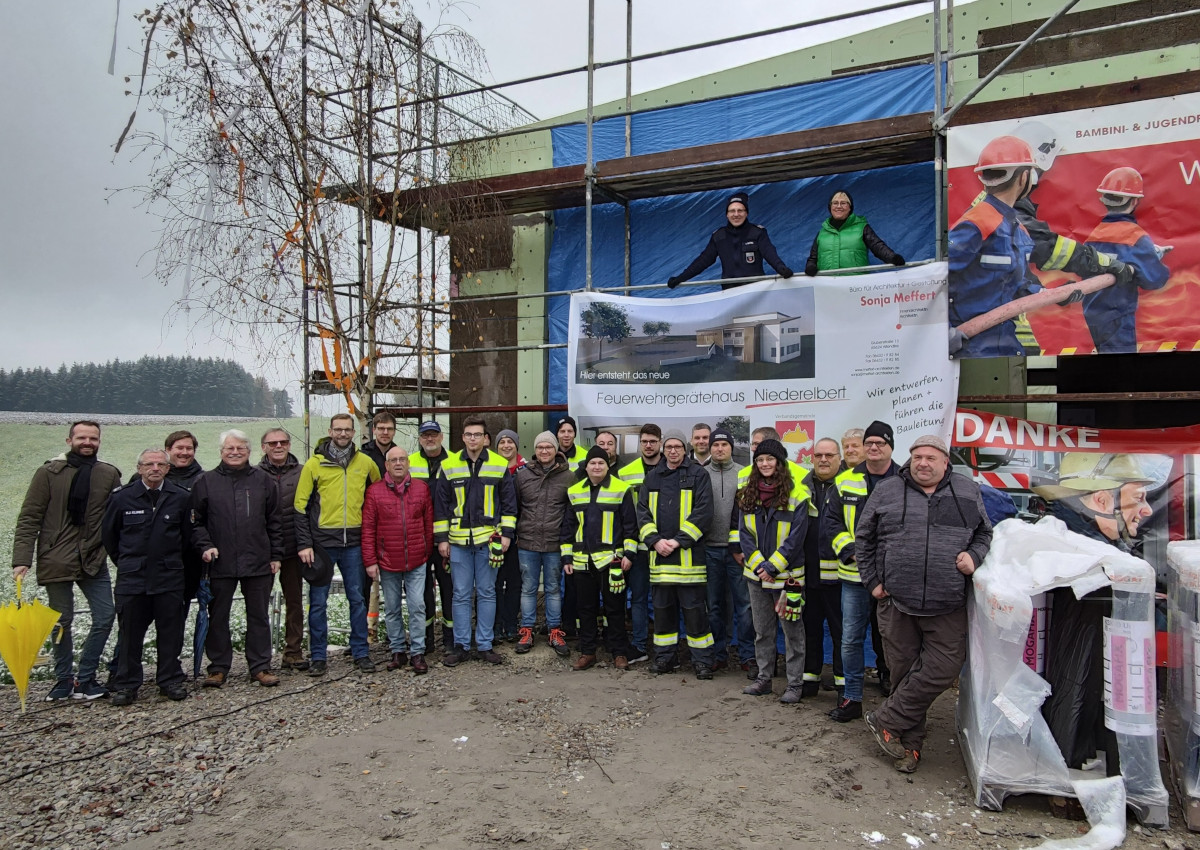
[(633, 474), (578, 456), (480, 503), (852, 487), (418, 466), (842, 248), (776, 540), (601, 531)]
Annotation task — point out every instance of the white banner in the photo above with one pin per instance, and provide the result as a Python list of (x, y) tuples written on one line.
[(809, 357)]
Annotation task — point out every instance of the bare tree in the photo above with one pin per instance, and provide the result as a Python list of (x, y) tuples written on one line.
[(288, 135)]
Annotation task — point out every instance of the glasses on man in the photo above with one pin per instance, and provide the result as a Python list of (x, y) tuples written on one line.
[(236, 449), (875, 444), (342, 430), (824, 455), (277, 443), (472, 435)]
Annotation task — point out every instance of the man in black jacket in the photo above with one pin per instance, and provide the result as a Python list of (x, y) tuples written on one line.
[(283, 467), (740, 245), (931, 525), (146, 531), (237, 530)]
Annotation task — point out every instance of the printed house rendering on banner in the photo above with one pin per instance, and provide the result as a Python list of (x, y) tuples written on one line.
[(765, 338)]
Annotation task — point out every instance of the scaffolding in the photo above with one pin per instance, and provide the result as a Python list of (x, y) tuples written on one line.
[(432, 207)]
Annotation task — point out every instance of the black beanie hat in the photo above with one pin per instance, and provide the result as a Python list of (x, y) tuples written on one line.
[(595, 452), (880, 429), (570, 421), (774, 448), (739, 198), (849, 197)]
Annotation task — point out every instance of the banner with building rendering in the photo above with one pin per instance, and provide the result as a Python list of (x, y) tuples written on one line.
[(1122, 180), (809, 357)]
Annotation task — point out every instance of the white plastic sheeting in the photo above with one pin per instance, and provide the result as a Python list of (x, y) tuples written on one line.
[(1006, 743), (1182, 716)]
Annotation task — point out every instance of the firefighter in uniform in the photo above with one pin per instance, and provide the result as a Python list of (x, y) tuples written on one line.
[(475, 521), (638, 579), (823, 589), (773, 512), (425, 464), (1109, 312), (599, 541), (990, 250), (674, 507)]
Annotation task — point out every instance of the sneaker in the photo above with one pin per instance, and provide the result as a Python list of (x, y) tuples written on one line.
[(455, 657), (294, 664), (810, 689), (558, 642), (61, 690), (524, 640), (418, 664), (760, 688), (364, 665), (583, 662), (124, 697), (491, 656), (317, 667), (888, 742), (791, 696), (89, 690), (703, 671), (639, 655), (215, 679), (908, 764), (266, 678), (621, 662), (847, 710), (176, 692)]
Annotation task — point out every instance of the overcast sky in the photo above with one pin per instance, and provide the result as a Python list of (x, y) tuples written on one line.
[(76, 254)]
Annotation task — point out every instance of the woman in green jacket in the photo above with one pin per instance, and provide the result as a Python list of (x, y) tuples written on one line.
[(844, 238)]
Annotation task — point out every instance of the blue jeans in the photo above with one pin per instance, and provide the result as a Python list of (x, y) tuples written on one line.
[(545, 567), (354, 578), (638, 581), (856, 614), (725, 575), (397, 587), (473, 577), (98, 593)]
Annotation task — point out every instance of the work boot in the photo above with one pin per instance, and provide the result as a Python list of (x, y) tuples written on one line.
[(127, 697), (810, 689), (491, 656), (703, 671), (524, 640), (455, 656), (175, 692), (558, 642), (399, 661), (266, 678), (792, 696), (364, 664), (621, 662), (888, 742), (663, 666), (419, 666), (215, 679), (908, 764), (317, 668), (583, 662), (847, 710), (760, 688), (294, 664)]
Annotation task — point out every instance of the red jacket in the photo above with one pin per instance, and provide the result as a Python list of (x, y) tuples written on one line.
[(397, 529)]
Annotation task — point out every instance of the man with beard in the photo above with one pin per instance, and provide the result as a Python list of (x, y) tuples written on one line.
[(822, 587), (61, 520), (425, 464), (181, 450)]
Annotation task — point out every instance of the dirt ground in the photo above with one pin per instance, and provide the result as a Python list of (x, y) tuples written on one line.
[(531, 754)]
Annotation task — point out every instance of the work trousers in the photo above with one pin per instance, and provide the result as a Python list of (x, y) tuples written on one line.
[(508, 595), (135, 613), (693, 600), (589, 585), (822, 604), (291, 582), (926, 654), (439, 579), (256, 590), (766, 622)]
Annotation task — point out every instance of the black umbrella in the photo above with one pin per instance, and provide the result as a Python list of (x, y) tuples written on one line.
[(203, 597)]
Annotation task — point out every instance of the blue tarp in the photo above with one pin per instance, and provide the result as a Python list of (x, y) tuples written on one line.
[(668, 233), (884, 94)]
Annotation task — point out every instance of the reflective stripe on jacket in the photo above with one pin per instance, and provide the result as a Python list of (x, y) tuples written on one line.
[(474, 500), (676, 504), (775, 537)]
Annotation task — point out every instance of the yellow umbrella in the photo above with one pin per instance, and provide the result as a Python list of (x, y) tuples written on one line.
[(23, 630)]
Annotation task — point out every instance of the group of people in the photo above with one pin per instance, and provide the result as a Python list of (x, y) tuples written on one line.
[(841, 243), (738, 559)]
